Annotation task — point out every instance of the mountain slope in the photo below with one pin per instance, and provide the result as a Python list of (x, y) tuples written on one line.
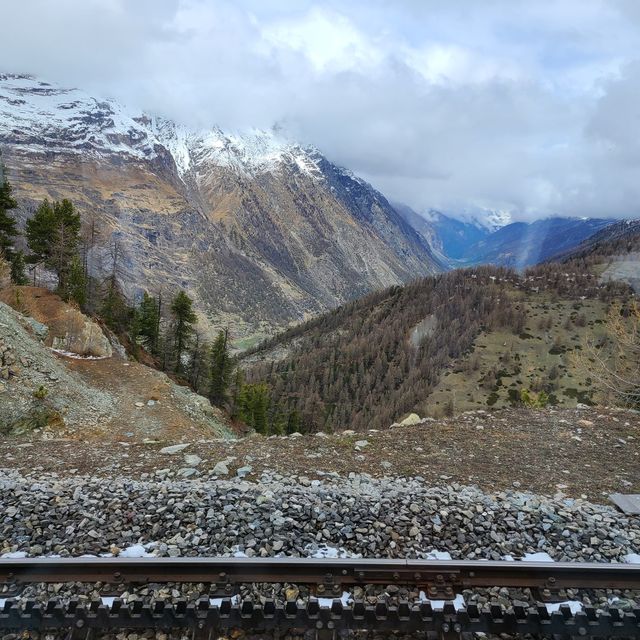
[(617, 238), (49, 387), (259, 230), (469, 339), (614, 252), (522, 244), (449, 237)]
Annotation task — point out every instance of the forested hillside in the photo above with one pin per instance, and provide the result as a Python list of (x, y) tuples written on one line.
[(371, 362)]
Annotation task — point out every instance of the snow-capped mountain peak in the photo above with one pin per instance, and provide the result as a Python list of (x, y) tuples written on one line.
[(52, 118)]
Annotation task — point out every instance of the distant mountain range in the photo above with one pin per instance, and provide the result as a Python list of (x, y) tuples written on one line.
[(259, 230), (517, 244)]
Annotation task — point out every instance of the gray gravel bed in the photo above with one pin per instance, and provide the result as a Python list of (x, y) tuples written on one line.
[(377, 518)]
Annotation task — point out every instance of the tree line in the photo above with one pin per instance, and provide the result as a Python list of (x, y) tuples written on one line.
[(358, 366)]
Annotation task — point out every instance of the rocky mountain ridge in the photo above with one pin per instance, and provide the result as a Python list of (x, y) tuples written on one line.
[(259, 230)]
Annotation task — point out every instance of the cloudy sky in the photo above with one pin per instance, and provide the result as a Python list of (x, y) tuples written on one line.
[(528, 106)]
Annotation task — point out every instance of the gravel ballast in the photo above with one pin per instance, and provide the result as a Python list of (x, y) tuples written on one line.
[(293, 516)]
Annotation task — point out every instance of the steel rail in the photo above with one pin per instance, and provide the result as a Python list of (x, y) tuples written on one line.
[(437, 575), (204, 618)]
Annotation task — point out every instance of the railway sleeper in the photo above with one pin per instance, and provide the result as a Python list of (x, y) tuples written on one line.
[(203, 619)]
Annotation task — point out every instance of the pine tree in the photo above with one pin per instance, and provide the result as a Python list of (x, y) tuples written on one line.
[(18, 275), (184, 318), (253, 405), (114, 309), (199, 365), (53, 234), (8, 228), (236, 389), (39, 231), (220, 369), (294, 422), (76, 286), (147, 322)]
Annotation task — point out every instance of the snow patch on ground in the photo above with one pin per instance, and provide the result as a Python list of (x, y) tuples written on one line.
[(325, 551), (538, 557), (135, 551), (14, 555), (574, 605), (217, 602), (76, 356), (327, 602)]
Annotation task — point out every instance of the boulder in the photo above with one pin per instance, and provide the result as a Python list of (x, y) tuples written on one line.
[(79, 335), (221, 469), (411, 419), (174, 448)]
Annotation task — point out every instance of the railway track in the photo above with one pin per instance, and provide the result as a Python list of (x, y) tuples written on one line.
[(327, 578)]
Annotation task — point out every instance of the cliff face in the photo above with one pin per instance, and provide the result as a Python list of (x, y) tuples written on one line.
[(260, 231)]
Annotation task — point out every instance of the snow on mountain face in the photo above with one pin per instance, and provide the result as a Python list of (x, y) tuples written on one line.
[(258, 230), (43, 117)]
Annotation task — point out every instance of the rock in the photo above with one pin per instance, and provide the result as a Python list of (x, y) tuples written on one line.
[(244, 471), (385, 464), (187, 472), (174, 448), (277, 545), (361, 444), (140, 404), (41, 330), (410, 420), (192, 460), (77, 334), (221, 469)]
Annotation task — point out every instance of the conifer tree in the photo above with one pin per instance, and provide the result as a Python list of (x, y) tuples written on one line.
[(220, 369), (184, 319), (147, 322), (235, 391), (53, 234), (294, 422), (8, 225), (253, 405), (199, 365), (18, 269), (76, 286)]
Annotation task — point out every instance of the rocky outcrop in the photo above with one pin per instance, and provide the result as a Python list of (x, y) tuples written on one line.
[(44, 394), (66, 328), (81, 337)]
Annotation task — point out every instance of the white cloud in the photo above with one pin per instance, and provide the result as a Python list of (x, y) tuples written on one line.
[(502, 104)]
